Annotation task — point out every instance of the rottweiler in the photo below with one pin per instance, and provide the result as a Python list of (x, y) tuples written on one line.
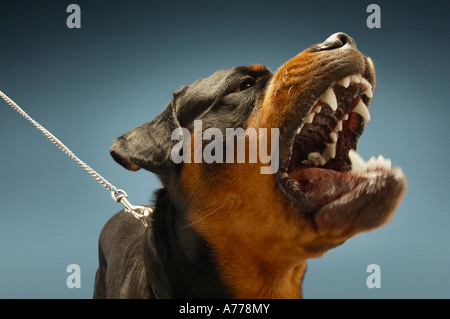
[(225, 228)]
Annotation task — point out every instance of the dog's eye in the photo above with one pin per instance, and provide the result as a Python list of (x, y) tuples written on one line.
[(247, 83)]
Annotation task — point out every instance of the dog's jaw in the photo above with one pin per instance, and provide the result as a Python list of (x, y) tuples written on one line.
[(319, 100), (250, 237)]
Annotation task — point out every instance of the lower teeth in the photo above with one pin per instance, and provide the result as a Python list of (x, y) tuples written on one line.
[(329, 98), (316, 159), (359, 165)]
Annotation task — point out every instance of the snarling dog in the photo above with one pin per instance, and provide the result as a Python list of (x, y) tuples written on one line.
[(224, 229)]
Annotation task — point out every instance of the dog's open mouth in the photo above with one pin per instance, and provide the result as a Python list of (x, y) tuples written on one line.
[(333, 126), (324, 169)]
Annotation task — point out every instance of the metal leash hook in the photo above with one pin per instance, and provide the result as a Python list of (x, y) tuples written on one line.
[(139, 212)]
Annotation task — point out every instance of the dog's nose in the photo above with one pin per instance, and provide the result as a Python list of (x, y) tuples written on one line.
[(338, 40)]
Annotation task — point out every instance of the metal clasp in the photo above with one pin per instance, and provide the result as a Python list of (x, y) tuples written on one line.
[(139, 212)]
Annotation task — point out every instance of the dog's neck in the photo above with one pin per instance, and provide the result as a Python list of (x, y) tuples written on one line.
[(181, 264), (253, 279)]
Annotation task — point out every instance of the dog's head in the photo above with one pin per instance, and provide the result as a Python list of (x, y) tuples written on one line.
[(322, 192), (223, 100)]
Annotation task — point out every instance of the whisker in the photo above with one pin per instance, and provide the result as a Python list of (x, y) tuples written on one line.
[(290, 89), (212, 212)]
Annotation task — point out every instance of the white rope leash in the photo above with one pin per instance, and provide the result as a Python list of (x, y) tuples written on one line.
[(118, 195)]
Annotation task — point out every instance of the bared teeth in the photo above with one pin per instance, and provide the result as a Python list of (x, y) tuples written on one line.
[(316, 159), (368, 92), (355, 78), (362, 110), (358, 163), (330, 151), (309, 119), (360, 166), (334, 136), (329, 97), (345, 82)]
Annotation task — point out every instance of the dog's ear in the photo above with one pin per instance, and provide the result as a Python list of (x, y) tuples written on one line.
[(148, 146)]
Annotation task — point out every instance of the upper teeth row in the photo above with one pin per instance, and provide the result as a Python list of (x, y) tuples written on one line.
[(329, 97), (357, 78), (317, 158)]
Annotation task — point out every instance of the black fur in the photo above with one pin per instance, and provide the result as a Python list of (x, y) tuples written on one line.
[(167, 259)]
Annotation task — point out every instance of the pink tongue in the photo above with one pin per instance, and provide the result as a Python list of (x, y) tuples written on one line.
[(323, 184)]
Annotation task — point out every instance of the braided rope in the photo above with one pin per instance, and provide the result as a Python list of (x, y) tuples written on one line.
[(118, 195), (61, 146)]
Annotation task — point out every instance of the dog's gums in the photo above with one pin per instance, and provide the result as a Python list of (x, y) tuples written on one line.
[(351, 100), (327, 138)]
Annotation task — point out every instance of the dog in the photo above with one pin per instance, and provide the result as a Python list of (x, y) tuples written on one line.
[(227, 230)]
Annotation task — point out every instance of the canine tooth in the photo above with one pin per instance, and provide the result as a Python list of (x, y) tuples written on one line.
[(345, 82), (299, 130), (310, 118), (358, 163), (345, 117), (334, 137), (362, 110), (330, 98)]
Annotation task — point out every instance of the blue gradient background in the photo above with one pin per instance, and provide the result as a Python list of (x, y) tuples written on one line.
[(89, 85)]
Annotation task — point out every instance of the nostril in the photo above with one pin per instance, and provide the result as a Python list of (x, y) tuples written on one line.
[(336, 41), (343, 38)]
